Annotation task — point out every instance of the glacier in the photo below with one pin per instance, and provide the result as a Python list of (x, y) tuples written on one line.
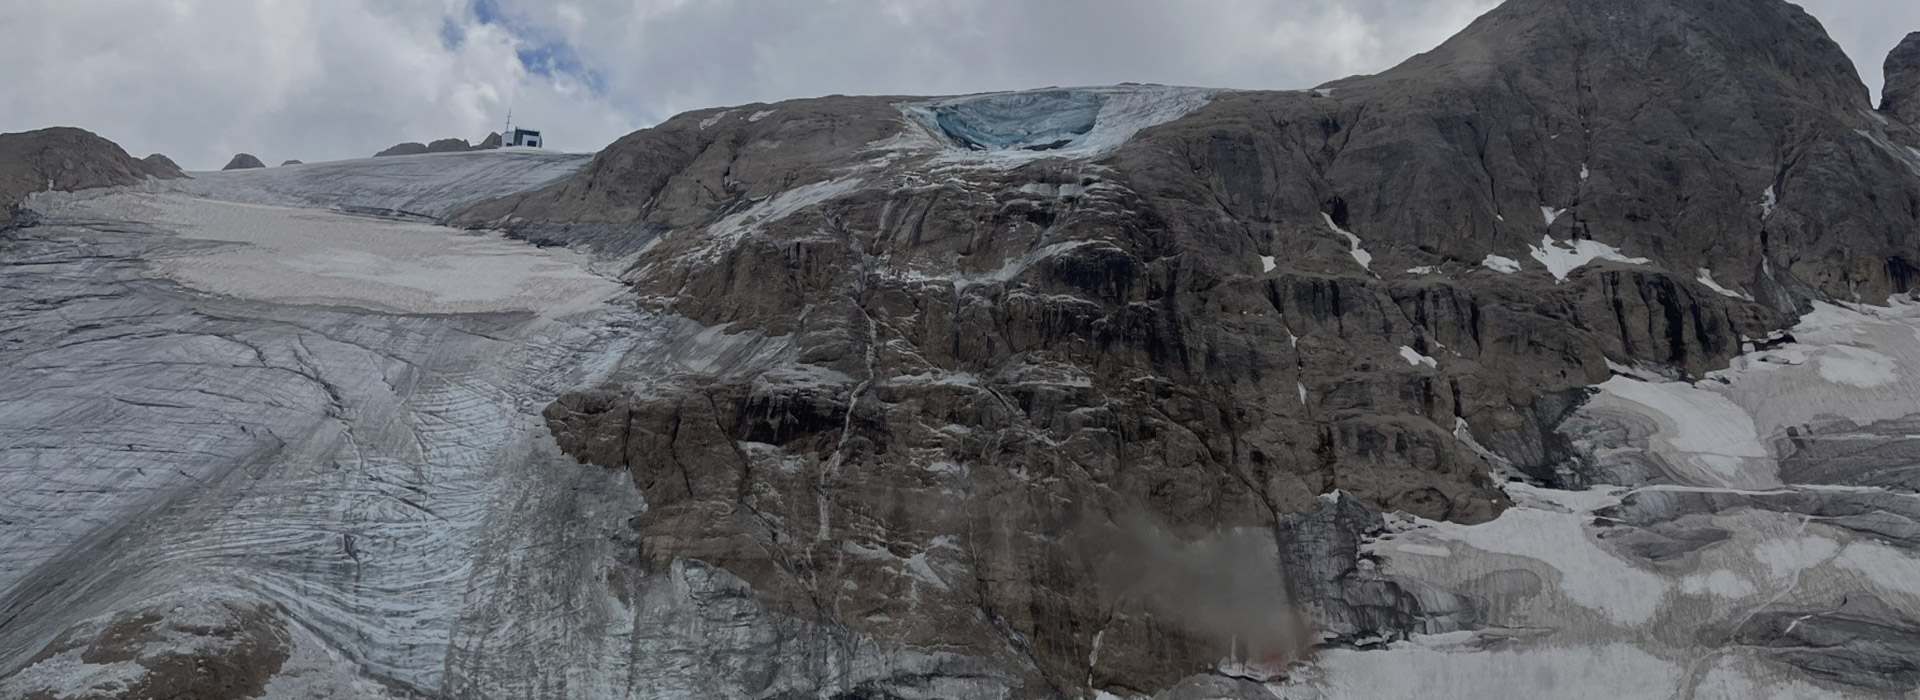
[(285, 427), (1020, 126)]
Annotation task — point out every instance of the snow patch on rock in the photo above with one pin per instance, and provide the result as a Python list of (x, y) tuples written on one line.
[(732, 227), (1360, 255), (1705, 278), (1562, 259), (1413, 357)]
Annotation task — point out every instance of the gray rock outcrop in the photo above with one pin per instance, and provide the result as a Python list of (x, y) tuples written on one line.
[(243, 161), (1278, 296), (1900, 97), (407, 148), (449, 145), (285, 163)]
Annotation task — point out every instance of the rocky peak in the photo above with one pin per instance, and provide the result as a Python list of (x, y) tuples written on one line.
[(162, 166), (243, 161), (1901, 96), (1649, 45), (66, 158)]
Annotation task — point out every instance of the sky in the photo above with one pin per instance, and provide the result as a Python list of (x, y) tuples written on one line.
[(200, 80)]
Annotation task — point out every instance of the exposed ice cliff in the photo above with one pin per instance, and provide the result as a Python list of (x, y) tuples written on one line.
[(1035, 121), (1076, 122)]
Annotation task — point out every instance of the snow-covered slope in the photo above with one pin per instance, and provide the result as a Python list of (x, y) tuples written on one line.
[(426, 185)]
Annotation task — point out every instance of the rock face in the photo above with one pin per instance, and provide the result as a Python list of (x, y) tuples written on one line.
[(493, 140), (285, 163), (1901, 95), (243, 161), (67, 159), (965, 363)]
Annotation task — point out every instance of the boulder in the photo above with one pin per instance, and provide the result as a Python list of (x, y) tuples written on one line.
[(285, 163)]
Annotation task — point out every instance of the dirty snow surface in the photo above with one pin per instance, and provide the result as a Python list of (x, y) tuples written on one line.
[(246, 389)]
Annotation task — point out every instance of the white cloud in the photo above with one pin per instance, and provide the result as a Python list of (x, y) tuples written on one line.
[(312, 79), (324, 79)]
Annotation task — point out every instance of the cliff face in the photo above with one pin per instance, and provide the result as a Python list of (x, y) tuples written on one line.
[(953, 373), (1901, 96)]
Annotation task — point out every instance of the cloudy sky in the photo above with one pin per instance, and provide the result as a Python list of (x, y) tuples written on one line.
[(324, 79)]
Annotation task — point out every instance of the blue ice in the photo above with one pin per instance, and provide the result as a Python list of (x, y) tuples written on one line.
[(1037, 121)]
